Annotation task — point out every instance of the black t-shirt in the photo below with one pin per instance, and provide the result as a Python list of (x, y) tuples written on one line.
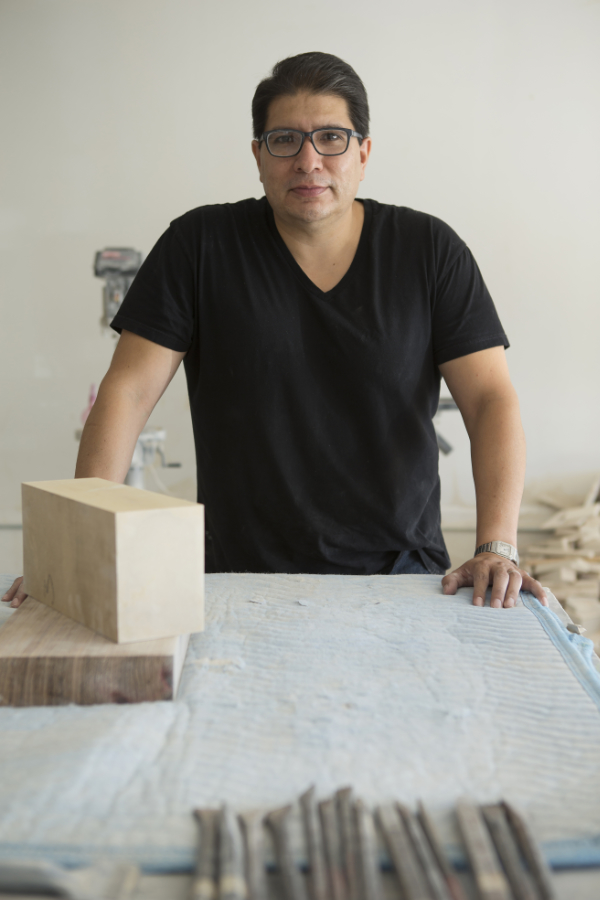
[(312, 411)]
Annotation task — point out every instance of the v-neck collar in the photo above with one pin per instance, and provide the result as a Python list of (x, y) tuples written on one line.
[(299, 272)]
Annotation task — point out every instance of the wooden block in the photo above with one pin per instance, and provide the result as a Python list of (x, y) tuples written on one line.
[(126, 563), (47, 659)]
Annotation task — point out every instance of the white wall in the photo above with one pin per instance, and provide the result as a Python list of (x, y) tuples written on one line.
[(484, 112)]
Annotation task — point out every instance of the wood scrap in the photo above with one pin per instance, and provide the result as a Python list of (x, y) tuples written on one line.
[(568, 562), (47, 659), (584, 611), (572, 518)]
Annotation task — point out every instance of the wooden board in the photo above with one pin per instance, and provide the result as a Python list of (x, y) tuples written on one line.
[(129, 564), (47, 659)]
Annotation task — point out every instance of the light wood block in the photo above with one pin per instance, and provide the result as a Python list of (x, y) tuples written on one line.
[(129, 564), (47, 659)]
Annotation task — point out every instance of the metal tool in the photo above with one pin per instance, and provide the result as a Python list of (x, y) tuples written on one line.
[(489, 878), (538, 866), (149, 445), (204, 881), (349, 841), (507, 849), (450, 876), (368, 857), (314, 842), (433, 873), (293, 884), (232, 879), (333, 849), (105, 880), (406, 863), (445, 404), (254, 840)]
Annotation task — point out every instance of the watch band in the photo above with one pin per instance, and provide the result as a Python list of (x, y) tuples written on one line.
[(501, 548)]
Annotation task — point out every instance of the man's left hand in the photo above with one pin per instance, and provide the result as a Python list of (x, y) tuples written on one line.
[(505, 577)]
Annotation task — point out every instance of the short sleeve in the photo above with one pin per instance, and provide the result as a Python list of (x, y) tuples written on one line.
[(464, 316), (161, 303)]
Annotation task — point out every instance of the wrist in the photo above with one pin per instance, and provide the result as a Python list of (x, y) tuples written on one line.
[(500, 548)]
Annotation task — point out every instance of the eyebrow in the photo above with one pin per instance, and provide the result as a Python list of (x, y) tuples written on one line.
[(291, 128)]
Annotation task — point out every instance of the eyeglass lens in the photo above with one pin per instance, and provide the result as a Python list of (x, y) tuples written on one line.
[(327, 141)]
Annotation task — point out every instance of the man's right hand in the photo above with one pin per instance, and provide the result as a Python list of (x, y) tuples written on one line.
[(15, 594)]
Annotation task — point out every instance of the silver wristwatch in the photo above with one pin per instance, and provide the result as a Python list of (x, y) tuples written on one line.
[(501, 548)]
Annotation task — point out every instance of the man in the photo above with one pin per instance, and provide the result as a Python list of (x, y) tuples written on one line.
[(313, 328)]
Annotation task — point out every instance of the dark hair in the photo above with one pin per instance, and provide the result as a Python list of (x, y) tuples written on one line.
[(317, 73)]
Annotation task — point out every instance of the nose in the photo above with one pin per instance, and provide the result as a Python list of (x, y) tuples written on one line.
[(308, 160)]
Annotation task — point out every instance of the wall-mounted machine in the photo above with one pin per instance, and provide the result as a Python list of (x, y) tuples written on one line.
[(118, 266)]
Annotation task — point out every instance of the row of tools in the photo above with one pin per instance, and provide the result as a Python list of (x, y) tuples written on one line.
[(342, 838)]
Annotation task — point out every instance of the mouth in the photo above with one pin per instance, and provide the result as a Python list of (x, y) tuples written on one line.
[(309, 190)]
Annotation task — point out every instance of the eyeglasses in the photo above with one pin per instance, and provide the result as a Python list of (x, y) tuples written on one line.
[(326, 141)]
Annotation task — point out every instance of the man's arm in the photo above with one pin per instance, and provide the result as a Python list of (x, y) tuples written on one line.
[(138, 376), (481, 386)]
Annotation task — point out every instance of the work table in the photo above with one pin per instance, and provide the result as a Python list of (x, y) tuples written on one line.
[(380, 682)]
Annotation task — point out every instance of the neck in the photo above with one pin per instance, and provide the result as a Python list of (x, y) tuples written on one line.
[(322, 238), (324, 250)]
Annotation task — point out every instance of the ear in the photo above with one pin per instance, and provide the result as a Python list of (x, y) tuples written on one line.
[(256, 154), (365, 152)]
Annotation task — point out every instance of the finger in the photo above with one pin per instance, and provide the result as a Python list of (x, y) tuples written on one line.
[(499, 586), (515, 579), (535, 588), (461, 577), (13, 589), (18, 598), (481, 580)]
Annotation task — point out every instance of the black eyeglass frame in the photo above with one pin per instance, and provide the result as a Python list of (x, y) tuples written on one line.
[(307, 134)]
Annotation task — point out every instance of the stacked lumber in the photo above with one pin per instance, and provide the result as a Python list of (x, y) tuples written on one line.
[(568, 562)]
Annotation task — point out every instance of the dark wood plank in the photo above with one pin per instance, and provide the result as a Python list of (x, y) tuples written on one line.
[(47, 659)]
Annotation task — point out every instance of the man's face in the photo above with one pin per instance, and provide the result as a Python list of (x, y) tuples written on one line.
[(310, 187)]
